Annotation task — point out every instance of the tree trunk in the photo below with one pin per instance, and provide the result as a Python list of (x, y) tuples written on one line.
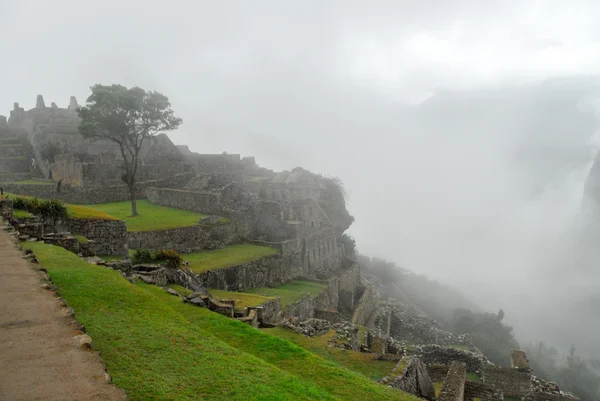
[(133, 200)]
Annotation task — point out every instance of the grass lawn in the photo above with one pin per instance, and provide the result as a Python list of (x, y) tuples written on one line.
[(339, 382), (359, 362), (460, 346), (291, 291), (180, 289), (157, 348), (112, 258), (438, 388), (22, 157), (242, 300), (76, 211), (151, 217), (21, 214), (232, 255)]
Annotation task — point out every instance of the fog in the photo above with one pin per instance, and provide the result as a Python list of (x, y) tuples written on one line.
[(463, 131)]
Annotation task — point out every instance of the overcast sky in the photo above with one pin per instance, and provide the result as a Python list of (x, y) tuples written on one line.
[(335, 86)]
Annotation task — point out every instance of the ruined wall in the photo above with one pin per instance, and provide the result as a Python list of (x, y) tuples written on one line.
[(270, 312), (322, 256), (109, 236), (366, 307), (413, 378), (439, 355), (302, 309), (454, 384), (349, 289), (438, 372), (184, 239), (545, 396), (511, 382), (200, 202), (483, 391)]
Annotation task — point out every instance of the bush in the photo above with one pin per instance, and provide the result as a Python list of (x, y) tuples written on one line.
[(52, 209), (146, 256)]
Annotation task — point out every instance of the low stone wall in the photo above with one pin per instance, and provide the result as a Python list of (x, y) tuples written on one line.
[(483, 391), (184, 239), (6, 208), (454, 384), (511, 382), (109, 236), (439, 355), (544, 396), (438, 372), (366, 307), (329, 315)]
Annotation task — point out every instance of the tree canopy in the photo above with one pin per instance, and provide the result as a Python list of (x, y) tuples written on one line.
[(128, 117)]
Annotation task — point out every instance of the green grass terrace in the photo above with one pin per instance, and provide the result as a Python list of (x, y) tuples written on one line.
[(291, 291), (151, 217), (156, 347), (231, 255)]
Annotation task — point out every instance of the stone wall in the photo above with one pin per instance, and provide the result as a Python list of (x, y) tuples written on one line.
[(544, 396), (270, 312), (366, 307), (78, 195), (349, 288), (269, 271), (413, 378), (6, 208), (454, 384), (302, 309), (483, 391), (439, 355), (14, 164), (184, 239), (201, 202), (511, 382), (109, 236), (438, 372)]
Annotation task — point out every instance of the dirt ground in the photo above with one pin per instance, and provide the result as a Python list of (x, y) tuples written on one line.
[(39, 359)]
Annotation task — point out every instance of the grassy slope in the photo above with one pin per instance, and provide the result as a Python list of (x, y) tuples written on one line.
[(30, 182), (76, 211), (291, 291), (329, 376), (19, 214), (360, 362), (153, 352), (156, 347), (230, 256), (151, 217)]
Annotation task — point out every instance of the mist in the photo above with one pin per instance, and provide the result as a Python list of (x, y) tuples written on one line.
[(463, 132)]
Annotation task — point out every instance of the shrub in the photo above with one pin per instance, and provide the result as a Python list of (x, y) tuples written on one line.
[(52, 209), (142, 256), (171, 256)]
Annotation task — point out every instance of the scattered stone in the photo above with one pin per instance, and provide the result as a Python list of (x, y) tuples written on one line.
[(172, 292), (84, 341), (309, 327)]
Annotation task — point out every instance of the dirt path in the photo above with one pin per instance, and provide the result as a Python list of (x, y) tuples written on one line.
[(39, 359)]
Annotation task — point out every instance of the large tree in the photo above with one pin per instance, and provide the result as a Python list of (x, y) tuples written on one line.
[(128, 117)]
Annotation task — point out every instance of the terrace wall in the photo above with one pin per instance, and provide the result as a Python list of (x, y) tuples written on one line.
[(6, 208), (185, 239), (201, 202), (109, 236), (436, 354)]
